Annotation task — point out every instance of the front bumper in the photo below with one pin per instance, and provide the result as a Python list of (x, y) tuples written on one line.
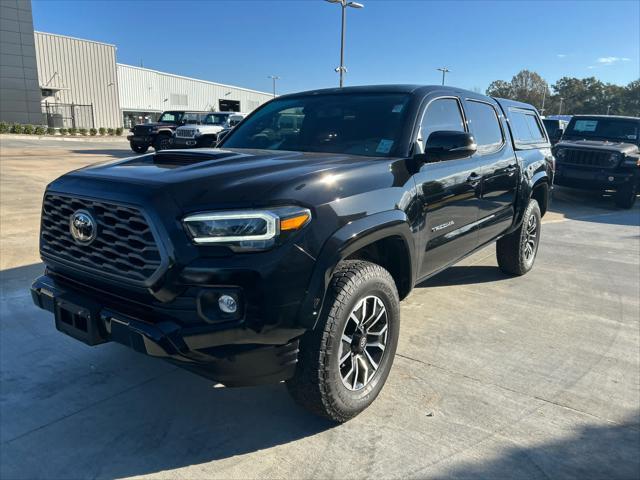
[(141, 140), (181, 142), (231, 354), (593, 179)]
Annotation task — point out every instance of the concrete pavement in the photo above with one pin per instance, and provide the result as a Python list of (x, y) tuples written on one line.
[(530, 377)]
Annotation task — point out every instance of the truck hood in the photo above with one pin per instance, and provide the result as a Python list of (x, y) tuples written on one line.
[(202, 128), (224, 178), (622, 147)]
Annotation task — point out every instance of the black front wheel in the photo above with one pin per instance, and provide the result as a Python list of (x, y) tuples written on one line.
[(626, 196), (139, 148), (344, 362), (162, 142), (517, 251)]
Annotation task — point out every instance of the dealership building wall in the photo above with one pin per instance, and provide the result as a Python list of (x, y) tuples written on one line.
[(19, 89), (79, 80), (145, 93)]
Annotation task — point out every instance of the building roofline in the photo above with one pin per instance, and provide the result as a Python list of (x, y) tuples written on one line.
[(76, 38), (208, 82)]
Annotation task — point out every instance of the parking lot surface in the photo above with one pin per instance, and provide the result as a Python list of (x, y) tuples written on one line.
[(495, 377)]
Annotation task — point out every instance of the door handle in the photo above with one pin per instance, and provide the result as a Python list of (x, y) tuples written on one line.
[(473, 179), (511, 169)]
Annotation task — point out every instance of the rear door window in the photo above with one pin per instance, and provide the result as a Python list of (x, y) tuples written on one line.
[(485, 126)]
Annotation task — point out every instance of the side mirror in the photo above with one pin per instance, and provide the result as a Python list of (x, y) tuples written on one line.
[(448, 145)]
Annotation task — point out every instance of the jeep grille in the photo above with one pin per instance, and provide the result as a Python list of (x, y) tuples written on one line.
[(124, 246), (186, 132), (588, 158)]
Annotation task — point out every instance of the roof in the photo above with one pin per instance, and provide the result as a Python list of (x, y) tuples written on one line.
[(392, 88), (506, 102), (75, 38)]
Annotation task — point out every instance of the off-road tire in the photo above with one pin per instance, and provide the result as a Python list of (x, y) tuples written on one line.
[(139, 148), (511, 249), (162, 142), (625, 197), (317, 384)]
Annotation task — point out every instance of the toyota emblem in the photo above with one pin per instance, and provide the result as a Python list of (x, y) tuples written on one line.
[(83, 227)]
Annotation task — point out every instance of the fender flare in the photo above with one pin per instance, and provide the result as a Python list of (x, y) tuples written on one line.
[(526, 189), (344, 242)]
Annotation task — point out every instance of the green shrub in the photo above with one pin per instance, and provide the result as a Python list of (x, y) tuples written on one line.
[(51, 131), (73, 131), (63, 131), (40, 130), (102, 130), (119, 131), (111, 131), (4, 127), (93, 132), (16, 128), (82, 131)]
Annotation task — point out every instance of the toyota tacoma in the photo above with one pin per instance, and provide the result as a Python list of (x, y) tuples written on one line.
[(283, 254), (601, 153)]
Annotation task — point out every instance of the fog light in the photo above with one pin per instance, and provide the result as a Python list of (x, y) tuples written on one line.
[(227, 304)]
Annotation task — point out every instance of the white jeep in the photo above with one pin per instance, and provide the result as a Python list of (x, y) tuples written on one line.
[(205, 132)]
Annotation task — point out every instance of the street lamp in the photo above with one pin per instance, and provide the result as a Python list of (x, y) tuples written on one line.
[(274, 78), (560, 107), (444, 71), (344, 4)]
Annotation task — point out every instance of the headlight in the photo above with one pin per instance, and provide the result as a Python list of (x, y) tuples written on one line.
[(614, 157), (246, 229)]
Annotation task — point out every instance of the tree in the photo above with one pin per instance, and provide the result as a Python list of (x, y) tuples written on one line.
[(500, 89), (577, 95)]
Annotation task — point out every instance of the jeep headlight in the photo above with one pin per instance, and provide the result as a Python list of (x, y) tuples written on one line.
[(246, 230)]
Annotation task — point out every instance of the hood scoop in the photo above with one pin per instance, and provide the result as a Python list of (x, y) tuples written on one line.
[(179, 158)]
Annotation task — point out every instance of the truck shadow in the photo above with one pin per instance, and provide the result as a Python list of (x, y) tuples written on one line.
[(465, 275), (72, 411)]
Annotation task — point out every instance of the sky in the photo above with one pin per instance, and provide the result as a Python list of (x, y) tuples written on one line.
[(241, 42)]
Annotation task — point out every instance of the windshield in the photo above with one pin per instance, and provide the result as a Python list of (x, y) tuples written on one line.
[(170, 117), (615, 129), (216, 119), (355, 124)]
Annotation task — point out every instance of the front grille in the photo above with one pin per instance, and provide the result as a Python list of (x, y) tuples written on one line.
[(587, 158), (124, 245), (186, 132), (142, 129)]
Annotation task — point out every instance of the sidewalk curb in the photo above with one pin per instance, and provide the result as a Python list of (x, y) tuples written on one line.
[(60, 138)]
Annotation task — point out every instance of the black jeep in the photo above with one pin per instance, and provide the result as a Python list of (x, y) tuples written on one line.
[(159, 134), (284, 254), (602, 153)]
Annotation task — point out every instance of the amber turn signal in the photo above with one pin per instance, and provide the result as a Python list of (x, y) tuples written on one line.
[(294, 223)]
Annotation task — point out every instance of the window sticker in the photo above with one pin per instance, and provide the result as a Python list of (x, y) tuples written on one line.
[(585, 125), (384, 146), (397, 108)]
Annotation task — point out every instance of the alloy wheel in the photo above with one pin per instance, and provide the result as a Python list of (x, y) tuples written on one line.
[(363, 343), (531, 238)]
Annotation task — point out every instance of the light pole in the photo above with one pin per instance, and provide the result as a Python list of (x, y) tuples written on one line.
[(344, 4), (560, 107), (274, 78), (444, 71), (608, 109)]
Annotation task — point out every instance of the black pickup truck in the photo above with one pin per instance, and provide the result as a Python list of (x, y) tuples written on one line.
[(283, 254), (601, 153), (159, 134)]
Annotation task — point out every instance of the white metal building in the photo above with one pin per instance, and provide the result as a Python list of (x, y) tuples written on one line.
[(145, 93), (78, 80)]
